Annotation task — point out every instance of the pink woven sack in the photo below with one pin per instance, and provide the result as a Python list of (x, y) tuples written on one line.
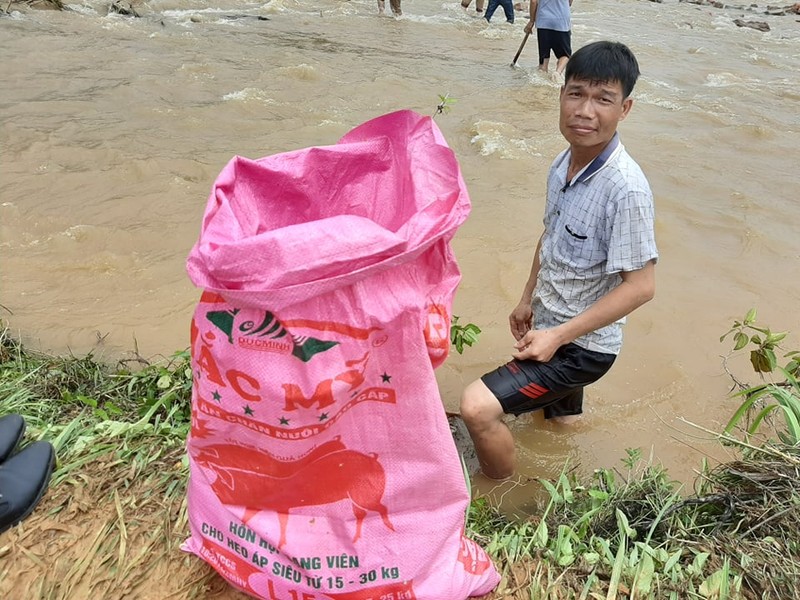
[(321, 461)]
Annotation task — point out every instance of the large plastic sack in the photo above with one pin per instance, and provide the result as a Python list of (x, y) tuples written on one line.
[(321, 461)]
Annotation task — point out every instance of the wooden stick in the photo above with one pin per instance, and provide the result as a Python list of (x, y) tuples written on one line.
[(521, 46)]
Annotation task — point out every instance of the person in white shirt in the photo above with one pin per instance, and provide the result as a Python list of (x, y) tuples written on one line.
[(593, 265), (553, 31)]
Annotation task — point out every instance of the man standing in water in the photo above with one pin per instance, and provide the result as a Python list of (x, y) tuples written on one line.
[(594, 263), (478, 5), (395, 4), (553, 31)]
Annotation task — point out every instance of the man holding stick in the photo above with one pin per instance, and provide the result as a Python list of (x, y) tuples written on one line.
[(553, 31)]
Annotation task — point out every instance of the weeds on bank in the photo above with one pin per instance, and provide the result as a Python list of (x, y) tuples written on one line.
[(779, 390), (119, 436), (632, 533), (88, 409), (628, 536), (619, 533)]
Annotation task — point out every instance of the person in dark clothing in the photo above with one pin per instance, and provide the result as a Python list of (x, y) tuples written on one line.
[(508, 8)]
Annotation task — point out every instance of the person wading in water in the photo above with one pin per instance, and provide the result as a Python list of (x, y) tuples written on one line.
[(594, 263)]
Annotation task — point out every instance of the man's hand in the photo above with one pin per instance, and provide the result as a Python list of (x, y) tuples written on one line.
[(529, 27), (539, 345), (520, 319)]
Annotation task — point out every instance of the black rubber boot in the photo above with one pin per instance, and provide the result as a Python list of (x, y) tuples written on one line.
[(11, 429), (23, 481)]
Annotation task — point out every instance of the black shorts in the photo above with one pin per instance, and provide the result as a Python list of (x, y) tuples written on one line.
[(557, 41), (556, 386)]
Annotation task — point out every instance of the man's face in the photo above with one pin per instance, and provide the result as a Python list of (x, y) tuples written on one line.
[(591, 111)]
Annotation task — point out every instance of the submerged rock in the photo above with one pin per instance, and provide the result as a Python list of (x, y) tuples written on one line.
[(759, 25), (130, 8), (37, 4), (755, 8)]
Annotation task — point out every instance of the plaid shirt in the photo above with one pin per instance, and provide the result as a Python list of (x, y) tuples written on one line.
[(596, 226)]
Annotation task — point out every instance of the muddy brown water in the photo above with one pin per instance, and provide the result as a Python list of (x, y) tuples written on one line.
[(113, 130)]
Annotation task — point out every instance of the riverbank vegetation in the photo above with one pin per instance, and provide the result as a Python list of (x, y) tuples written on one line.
[(115, 515)]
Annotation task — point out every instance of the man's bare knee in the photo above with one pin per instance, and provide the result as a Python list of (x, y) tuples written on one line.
[(479, 407)]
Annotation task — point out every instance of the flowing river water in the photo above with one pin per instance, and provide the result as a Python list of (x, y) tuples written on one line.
[(113, 129)]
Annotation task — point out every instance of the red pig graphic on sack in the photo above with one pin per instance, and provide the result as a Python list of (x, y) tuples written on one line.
[(329, 473)]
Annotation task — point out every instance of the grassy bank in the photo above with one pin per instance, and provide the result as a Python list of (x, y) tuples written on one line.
[(113, 520)]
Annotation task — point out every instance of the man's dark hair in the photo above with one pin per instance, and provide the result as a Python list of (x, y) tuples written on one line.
[(604, 62)]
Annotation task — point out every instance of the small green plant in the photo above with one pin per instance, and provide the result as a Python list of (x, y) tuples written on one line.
[(101, 410), (166, 387), (762, 356), (444, 106), (633, 458), (781, 395), (463, 335)]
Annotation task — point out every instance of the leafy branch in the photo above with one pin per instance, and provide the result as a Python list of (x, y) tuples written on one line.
[(781, 395), (444, 106), (762, 357), (463, 335), (460, 335)]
